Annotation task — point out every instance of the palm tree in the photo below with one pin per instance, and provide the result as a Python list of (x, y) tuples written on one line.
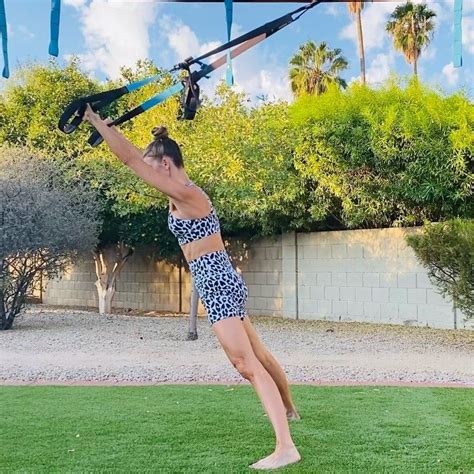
[(315, 67), (412, 29), (355, 8)]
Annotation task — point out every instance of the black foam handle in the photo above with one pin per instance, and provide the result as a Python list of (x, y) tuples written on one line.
[(75, 111), (95, 139)]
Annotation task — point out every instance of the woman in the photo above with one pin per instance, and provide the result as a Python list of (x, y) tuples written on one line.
[(193, 220)]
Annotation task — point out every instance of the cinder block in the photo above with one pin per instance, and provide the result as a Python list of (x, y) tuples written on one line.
[(327, 265), (304, 292), (433, 297), (323, 279), (272, 253), (363, 294), (251, 302), (339, 251), (309, 252), (304, 238), (316, 292), (308, 308), (404, 251), (250, 277), (417, 295), (406, 280), (273, 278), (307, 265), (339, 308), (288, 265), (371, 279), (388, 311), (260, 302), (422, 281), (354, 279), (331, 293), (324, 251), (407, 311), (380, 295), (388, 280), (324, 308), (355, 308), (398, 295), (347, 294), (339, 279), (355, 251), (372, 310)]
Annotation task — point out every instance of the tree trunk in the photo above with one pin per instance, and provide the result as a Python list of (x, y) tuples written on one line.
[(105, 296), (192, 331), (415, 66), (108, 264), (361, 46)]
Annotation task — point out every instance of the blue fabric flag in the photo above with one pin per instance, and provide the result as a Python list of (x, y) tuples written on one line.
[(457, 62), (228, 13), (3, 33), (55, 15)]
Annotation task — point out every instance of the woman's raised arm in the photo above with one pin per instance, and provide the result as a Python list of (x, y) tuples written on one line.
[(131, 156)]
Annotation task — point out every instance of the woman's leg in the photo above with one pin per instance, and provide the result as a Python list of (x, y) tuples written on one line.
[(272, 366), (236, 344)]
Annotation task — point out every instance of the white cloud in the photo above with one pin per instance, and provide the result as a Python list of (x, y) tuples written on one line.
[(332, 9), (75, 3), (468, 33), (374, 18), (429, 53), (25, 31), (10, 33), (255, 73), (120, 40), (380, 67), (451, 74), (183, 40)]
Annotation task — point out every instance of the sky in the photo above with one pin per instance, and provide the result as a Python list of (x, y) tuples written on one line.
[(107, 34)]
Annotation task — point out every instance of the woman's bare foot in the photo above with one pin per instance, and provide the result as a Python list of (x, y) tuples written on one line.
[(279, 458), (292, 414)]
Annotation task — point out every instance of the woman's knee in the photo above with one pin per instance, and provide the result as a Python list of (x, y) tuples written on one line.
[(247, 366)]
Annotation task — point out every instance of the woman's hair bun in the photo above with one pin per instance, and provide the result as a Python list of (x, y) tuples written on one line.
[(160, 132)]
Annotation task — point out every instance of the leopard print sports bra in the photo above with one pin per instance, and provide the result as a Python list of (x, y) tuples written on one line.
[(188, 230)]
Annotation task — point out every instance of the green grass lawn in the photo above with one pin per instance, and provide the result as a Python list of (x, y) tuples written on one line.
[(221, 429)]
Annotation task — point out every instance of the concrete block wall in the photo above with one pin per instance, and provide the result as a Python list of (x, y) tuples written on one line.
[(148, 284), (261, 267), (144, 283), (361, 275)]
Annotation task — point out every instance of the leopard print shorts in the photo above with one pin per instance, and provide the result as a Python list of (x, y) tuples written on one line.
[(222, 290)]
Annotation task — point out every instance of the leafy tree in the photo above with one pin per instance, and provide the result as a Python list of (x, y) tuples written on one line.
[(446, 249), (31, 106), (355, 8), (46, 224), (411, 26), (386, 157), (315, 67)]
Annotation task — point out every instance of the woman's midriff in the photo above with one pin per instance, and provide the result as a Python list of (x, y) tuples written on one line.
[(197, 248)]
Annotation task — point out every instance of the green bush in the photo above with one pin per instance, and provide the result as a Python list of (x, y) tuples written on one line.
[(388, 157), (446, 249)]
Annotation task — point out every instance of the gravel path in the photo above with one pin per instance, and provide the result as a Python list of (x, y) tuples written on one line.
[(62, 345)]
